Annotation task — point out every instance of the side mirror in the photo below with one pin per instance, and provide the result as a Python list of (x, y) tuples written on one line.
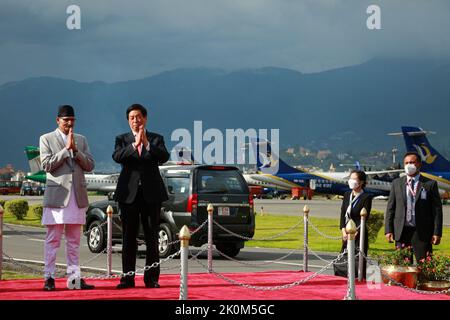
[(111, 195), (170, 188)]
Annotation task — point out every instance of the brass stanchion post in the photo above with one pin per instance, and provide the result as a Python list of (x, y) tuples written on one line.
[(210, 209), (350, 229), (305, 238), (184, 237), (362, 235), (109, 212)]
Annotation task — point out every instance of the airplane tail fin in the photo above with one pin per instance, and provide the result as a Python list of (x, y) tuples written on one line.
[(416, 140), (34, 159), (268, 161)]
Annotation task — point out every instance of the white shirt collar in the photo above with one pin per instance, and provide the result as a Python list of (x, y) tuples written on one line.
[(357, 194), (135, 133), (416, 178), (63, 135)]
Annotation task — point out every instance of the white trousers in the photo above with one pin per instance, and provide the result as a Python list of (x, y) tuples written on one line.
[(72, 234)]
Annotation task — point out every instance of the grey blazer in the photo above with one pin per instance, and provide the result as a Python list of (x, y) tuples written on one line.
[(63, 171), (428, 209)]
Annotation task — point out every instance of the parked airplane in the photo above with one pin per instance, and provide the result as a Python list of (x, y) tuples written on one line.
[(272, 167), (104, 183), (256, 179), (434, 165)]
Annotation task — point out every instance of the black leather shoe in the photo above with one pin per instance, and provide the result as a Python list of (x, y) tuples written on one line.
[(125, 284), (49, 284), (85, 286), (152, 285)]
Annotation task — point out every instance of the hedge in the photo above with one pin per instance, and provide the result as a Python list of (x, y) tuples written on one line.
[(374, 224), (37, 210), (18, 208)]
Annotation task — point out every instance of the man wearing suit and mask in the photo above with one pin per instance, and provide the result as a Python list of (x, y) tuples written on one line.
[(140, 192), (65, 156), (414, 210)]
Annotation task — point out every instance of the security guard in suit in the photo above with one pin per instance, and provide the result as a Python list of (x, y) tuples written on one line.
[(414, 210)]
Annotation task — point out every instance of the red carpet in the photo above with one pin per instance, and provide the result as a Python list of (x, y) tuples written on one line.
[(209, 287)]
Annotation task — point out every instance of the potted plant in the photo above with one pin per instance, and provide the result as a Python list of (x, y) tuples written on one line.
[(434, 273), (397, 266)]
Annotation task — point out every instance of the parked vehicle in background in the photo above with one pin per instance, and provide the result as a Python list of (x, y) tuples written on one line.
[(39, 189), (32, 189), (10, 187), (190, 188), (26, 189)]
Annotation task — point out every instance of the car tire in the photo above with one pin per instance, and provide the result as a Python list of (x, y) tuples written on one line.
[(229, 249), (96, 237), (165, 236)]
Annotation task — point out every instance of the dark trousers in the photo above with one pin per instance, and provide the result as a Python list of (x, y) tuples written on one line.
[(148, 215), (410, 237)]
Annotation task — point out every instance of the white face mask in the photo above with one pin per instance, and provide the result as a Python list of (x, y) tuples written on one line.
[(353, 184), (410, 169)]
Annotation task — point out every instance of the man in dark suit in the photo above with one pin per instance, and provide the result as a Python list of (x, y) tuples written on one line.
[(140, 192), (414, 210)]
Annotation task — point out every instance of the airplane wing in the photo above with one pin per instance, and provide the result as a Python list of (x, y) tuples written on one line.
[(370, 174), (113, 176)]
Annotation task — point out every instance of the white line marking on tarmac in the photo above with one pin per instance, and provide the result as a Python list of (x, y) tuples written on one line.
[(38, 240), (65, 265), (296, 264)]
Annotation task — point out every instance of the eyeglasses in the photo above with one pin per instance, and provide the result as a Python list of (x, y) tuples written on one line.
[(67, 119)]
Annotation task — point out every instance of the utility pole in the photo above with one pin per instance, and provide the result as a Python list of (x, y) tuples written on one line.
[(394, 152)]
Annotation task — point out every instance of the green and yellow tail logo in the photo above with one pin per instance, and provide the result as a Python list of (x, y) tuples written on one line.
[(425, 153)]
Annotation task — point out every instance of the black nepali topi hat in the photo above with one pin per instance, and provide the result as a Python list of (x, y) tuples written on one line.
[(66, 111)]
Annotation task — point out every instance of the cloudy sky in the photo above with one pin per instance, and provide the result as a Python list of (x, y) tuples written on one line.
[(122, 40)]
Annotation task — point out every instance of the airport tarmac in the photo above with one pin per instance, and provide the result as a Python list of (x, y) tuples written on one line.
[(26, 243), (26, 246), (322, 208), (319, 206)]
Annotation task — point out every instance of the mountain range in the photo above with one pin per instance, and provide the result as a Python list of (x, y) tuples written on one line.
[(350, 108)]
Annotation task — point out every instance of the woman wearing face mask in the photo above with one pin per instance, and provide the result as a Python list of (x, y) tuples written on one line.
[(354, 200)]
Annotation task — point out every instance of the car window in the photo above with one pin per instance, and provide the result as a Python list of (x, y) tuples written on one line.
[(220, 181), (178, 185)]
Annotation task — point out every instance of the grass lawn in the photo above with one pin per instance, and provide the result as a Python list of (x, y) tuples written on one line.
[(14, 275), (29, 220), (269, 225)]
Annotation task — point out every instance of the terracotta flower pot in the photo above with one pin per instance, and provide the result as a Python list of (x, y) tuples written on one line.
[(404, 275), (435, 285)]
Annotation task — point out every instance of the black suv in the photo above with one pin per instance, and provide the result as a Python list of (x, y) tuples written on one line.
[(191, 188)]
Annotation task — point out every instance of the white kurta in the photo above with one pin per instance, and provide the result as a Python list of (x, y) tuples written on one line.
[(68, 215)]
